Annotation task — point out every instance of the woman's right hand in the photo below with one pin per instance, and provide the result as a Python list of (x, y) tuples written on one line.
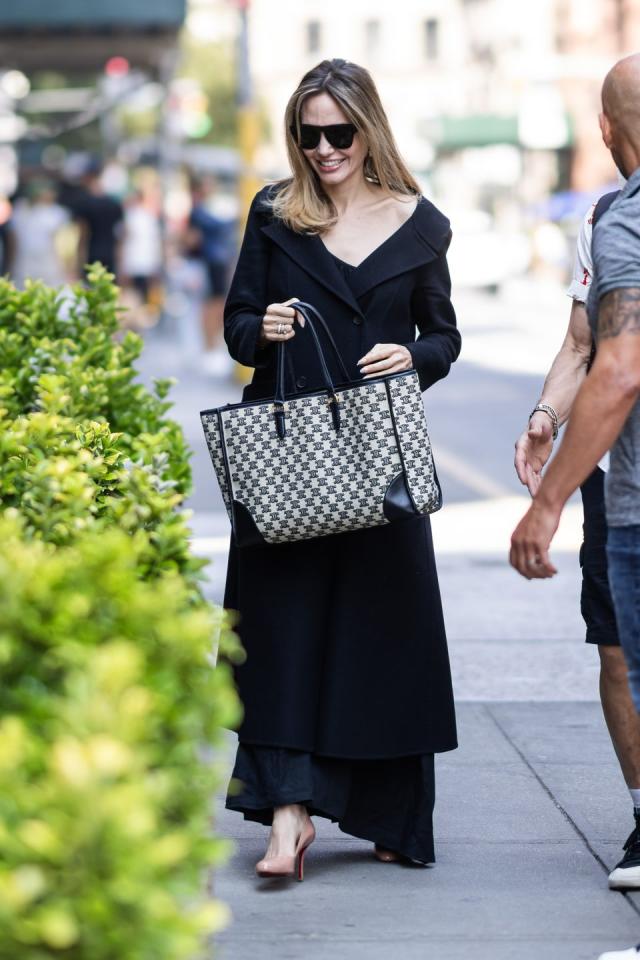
[(278, 322)]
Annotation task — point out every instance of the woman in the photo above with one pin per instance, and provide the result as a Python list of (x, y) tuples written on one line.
[(346, 684)]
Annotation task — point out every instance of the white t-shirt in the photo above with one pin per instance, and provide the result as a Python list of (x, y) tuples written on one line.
[(142, 244), (35, 227), (583, 275), (583, 263)]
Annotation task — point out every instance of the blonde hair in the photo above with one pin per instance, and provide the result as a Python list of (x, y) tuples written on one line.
[(300, 202)]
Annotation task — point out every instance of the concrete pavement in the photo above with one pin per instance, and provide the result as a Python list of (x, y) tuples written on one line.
[(530, 815)]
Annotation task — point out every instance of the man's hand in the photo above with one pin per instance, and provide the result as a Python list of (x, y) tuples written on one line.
[(533, 449), (531, 540)]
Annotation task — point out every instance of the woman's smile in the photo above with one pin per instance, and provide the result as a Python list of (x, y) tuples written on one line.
[(329, 166)]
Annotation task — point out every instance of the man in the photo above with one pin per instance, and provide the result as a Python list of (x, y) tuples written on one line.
[(99, 216), (532, 452), (606, 412)]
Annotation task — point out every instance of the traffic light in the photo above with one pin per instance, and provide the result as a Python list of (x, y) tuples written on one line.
[(117, 67), (189, 106)]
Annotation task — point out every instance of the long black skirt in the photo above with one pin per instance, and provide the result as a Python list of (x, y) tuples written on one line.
[(346, 685), (389, 802), (346, 647)]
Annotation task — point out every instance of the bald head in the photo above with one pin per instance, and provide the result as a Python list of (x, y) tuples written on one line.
[(621, 96), (620, 117)]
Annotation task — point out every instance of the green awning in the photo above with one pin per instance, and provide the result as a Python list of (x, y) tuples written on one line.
[(83, 15), (478, 130), (475, 130)]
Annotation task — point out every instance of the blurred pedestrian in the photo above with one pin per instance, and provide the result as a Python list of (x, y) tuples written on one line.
[(346, 686), (533, 450), (212, 242), (99, 216), (141, 250), (187, 294), (35, 226), (606, 412), (6, 237)]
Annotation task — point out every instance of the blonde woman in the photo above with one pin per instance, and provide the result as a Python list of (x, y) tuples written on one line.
[(346, 685)]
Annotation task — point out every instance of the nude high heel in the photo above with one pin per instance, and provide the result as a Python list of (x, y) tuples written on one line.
[(387, 856), (286, 866)]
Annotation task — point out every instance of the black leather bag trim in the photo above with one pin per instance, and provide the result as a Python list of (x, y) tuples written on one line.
[(243, 526), (417, 509), (225, 460), (397, 503), (245, 530), (398, 444), (437, 482)]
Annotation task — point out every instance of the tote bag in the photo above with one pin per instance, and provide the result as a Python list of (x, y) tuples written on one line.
[(345, 457)]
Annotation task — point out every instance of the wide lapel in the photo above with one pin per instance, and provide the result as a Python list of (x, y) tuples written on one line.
[(310, 253), (417, 242)]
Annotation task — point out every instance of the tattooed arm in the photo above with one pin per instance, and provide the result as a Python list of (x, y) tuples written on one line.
[(619, 313), (597, 417)]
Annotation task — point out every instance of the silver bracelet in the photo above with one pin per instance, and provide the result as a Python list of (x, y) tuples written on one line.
[(550, 412)]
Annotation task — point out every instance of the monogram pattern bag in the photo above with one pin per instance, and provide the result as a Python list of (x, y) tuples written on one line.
[(326, 461)]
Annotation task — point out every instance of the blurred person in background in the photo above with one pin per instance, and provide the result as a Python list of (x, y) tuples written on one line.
[(36, 223), (533, 450), (211, 239), (346, 686), (99, 216), (186, 295), (141, 252), (605, 414), (550, 251), (6, 237)]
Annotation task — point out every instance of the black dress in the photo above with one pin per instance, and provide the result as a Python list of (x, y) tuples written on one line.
[(383, 796)]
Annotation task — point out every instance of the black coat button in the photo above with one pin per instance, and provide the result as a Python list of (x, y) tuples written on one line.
[(301, 383), (357, 320)]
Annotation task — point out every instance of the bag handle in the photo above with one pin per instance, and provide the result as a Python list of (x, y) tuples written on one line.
[(279, 412), (325, 326)]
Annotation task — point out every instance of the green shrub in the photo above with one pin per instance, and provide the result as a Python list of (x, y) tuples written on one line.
[(108, 699), (62, 355)]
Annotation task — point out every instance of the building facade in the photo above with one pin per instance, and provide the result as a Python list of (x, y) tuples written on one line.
[(485, 98)]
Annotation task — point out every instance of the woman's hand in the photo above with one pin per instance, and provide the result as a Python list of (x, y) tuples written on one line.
[(385, 358), (278, 322)]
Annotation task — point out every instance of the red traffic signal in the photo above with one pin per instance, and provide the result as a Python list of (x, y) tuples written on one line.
[(117, 67)]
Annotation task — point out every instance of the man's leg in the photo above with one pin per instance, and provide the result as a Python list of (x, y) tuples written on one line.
[(620, 714), (623, 553)]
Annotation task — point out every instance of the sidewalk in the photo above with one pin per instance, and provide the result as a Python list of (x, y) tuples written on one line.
[(531, 814)]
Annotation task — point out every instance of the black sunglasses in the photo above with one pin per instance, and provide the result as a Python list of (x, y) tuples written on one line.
[(339, 135)]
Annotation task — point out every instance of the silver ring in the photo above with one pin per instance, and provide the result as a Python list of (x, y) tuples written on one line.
[(280, 330)]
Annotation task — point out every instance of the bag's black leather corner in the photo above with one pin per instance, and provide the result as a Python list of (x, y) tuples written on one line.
[(245, 531), (397, 500)]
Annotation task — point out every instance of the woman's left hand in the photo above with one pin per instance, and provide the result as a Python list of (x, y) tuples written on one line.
[(385, 358)]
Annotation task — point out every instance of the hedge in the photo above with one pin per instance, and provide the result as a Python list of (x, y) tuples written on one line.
[(108, 697)]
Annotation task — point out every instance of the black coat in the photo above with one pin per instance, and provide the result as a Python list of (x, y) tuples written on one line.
[(346, 648), (402, 286)]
